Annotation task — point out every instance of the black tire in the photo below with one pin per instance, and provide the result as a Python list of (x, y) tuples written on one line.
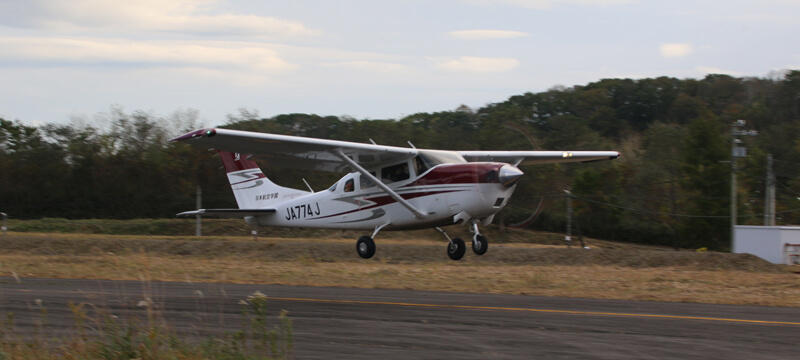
[(365, 247), (456, 249), (480, 244)]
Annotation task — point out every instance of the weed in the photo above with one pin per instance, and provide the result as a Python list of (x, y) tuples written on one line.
[(256, 337), (111, 338)]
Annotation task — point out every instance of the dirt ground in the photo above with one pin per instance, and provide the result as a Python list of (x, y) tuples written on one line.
[(606, 270)]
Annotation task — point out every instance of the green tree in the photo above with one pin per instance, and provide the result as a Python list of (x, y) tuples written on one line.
[(704, 153)]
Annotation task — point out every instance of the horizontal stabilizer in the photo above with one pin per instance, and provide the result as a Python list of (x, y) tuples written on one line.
[(227, 213)]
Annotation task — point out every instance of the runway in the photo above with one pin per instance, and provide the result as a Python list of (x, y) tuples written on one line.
[(332, 323)]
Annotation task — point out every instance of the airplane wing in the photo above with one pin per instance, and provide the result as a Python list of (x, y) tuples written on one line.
[(321, 154), (297, 152), (539, 157), (227, 213)]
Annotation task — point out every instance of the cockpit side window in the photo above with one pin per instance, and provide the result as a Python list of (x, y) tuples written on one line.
[(395, 173), (365, 182), (349, 185), (420, 166)]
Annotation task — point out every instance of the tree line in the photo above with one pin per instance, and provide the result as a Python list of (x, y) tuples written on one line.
[(670, 187)]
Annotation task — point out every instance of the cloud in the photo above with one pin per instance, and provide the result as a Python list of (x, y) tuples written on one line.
[(675, 50), (479, 64), (486, 34), (90, 52), (181, 16), (548, 4), (369, 66)]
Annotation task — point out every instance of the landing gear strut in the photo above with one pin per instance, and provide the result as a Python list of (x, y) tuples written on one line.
[(456, 248)]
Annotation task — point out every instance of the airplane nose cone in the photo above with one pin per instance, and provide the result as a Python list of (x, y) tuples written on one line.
[(509, 175)]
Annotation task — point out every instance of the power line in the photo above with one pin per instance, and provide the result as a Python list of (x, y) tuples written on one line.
[(787, 162), (675, 215)]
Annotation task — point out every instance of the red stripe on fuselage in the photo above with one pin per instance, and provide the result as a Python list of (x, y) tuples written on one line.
[(471, 173), (387, 200)]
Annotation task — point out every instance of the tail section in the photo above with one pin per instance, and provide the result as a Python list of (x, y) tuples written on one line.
[(250, 186)]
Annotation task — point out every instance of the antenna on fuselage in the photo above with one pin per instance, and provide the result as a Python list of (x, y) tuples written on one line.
[(309, 186), (372, 141), (412, 145)]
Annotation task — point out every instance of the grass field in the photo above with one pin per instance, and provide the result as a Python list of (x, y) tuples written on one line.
[(521, 263)]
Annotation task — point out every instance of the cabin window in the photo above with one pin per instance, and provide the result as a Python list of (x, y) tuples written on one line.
[(349, 185), (395, 173), (365, 182)]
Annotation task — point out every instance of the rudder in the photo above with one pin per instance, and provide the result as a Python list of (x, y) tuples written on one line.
[(252, 189)]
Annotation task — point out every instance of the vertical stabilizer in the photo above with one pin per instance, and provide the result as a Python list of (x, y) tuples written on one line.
[(250, 186)]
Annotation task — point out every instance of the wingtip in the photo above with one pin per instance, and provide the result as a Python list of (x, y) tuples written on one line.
[(209, 132)]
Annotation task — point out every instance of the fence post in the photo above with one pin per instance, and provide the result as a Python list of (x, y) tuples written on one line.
[(198, 225), (5, 222)]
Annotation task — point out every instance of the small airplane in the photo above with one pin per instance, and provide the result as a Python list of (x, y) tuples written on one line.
[(385, 188)]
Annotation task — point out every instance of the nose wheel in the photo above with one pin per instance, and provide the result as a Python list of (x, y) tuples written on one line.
[(480, 244)]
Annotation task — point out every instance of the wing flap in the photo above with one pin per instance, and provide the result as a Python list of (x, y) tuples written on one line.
[(227, 213)]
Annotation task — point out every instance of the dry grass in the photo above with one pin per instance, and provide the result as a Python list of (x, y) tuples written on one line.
[(511, 269)]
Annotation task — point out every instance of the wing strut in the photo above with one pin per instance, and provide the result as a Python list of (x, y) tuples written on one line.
[(419, 214)]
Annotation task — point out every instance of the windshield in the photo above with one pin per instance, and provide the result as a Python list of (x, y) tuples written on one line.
[(430, 158)]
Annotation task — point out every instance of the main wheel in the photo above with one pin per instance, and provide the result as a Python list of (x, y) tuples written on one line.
[(456, 249), (480, 244), (365, 247)]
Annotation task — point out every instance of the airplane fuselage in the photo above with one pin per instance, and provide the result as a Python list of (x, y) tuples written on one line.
[(442, 193)]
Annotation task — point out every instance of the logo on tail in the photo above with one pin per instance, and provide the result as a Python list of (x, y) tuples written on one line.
[(252, 189)]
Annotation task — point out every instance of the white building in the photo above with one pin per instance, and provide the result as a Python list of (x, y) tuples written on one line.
[(771, 243)]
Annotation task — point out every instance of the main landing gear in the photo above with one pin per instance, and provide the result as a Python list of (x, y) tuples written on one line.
[(456, 248), (366, 246)]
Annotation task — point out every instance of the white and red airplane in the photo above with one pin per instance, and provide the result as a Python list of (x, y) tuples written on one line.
[(386, 187)]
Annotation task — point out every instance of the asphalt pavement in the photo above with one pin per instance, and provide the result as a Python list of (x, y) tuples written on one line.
[(332, 323)]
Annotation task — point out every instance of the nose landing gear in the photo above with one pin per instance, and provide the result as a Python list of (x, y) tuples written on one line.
[(479, 242)]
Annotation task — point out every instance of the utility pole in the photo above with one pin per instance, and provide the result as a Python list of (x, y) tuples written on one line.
[(769, 195), (737, 152), (568, 237), (198, 230), (674, 210)]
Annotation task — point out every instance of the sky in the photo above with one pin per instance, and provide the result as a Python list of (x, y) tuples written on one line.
[(365, 59)]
